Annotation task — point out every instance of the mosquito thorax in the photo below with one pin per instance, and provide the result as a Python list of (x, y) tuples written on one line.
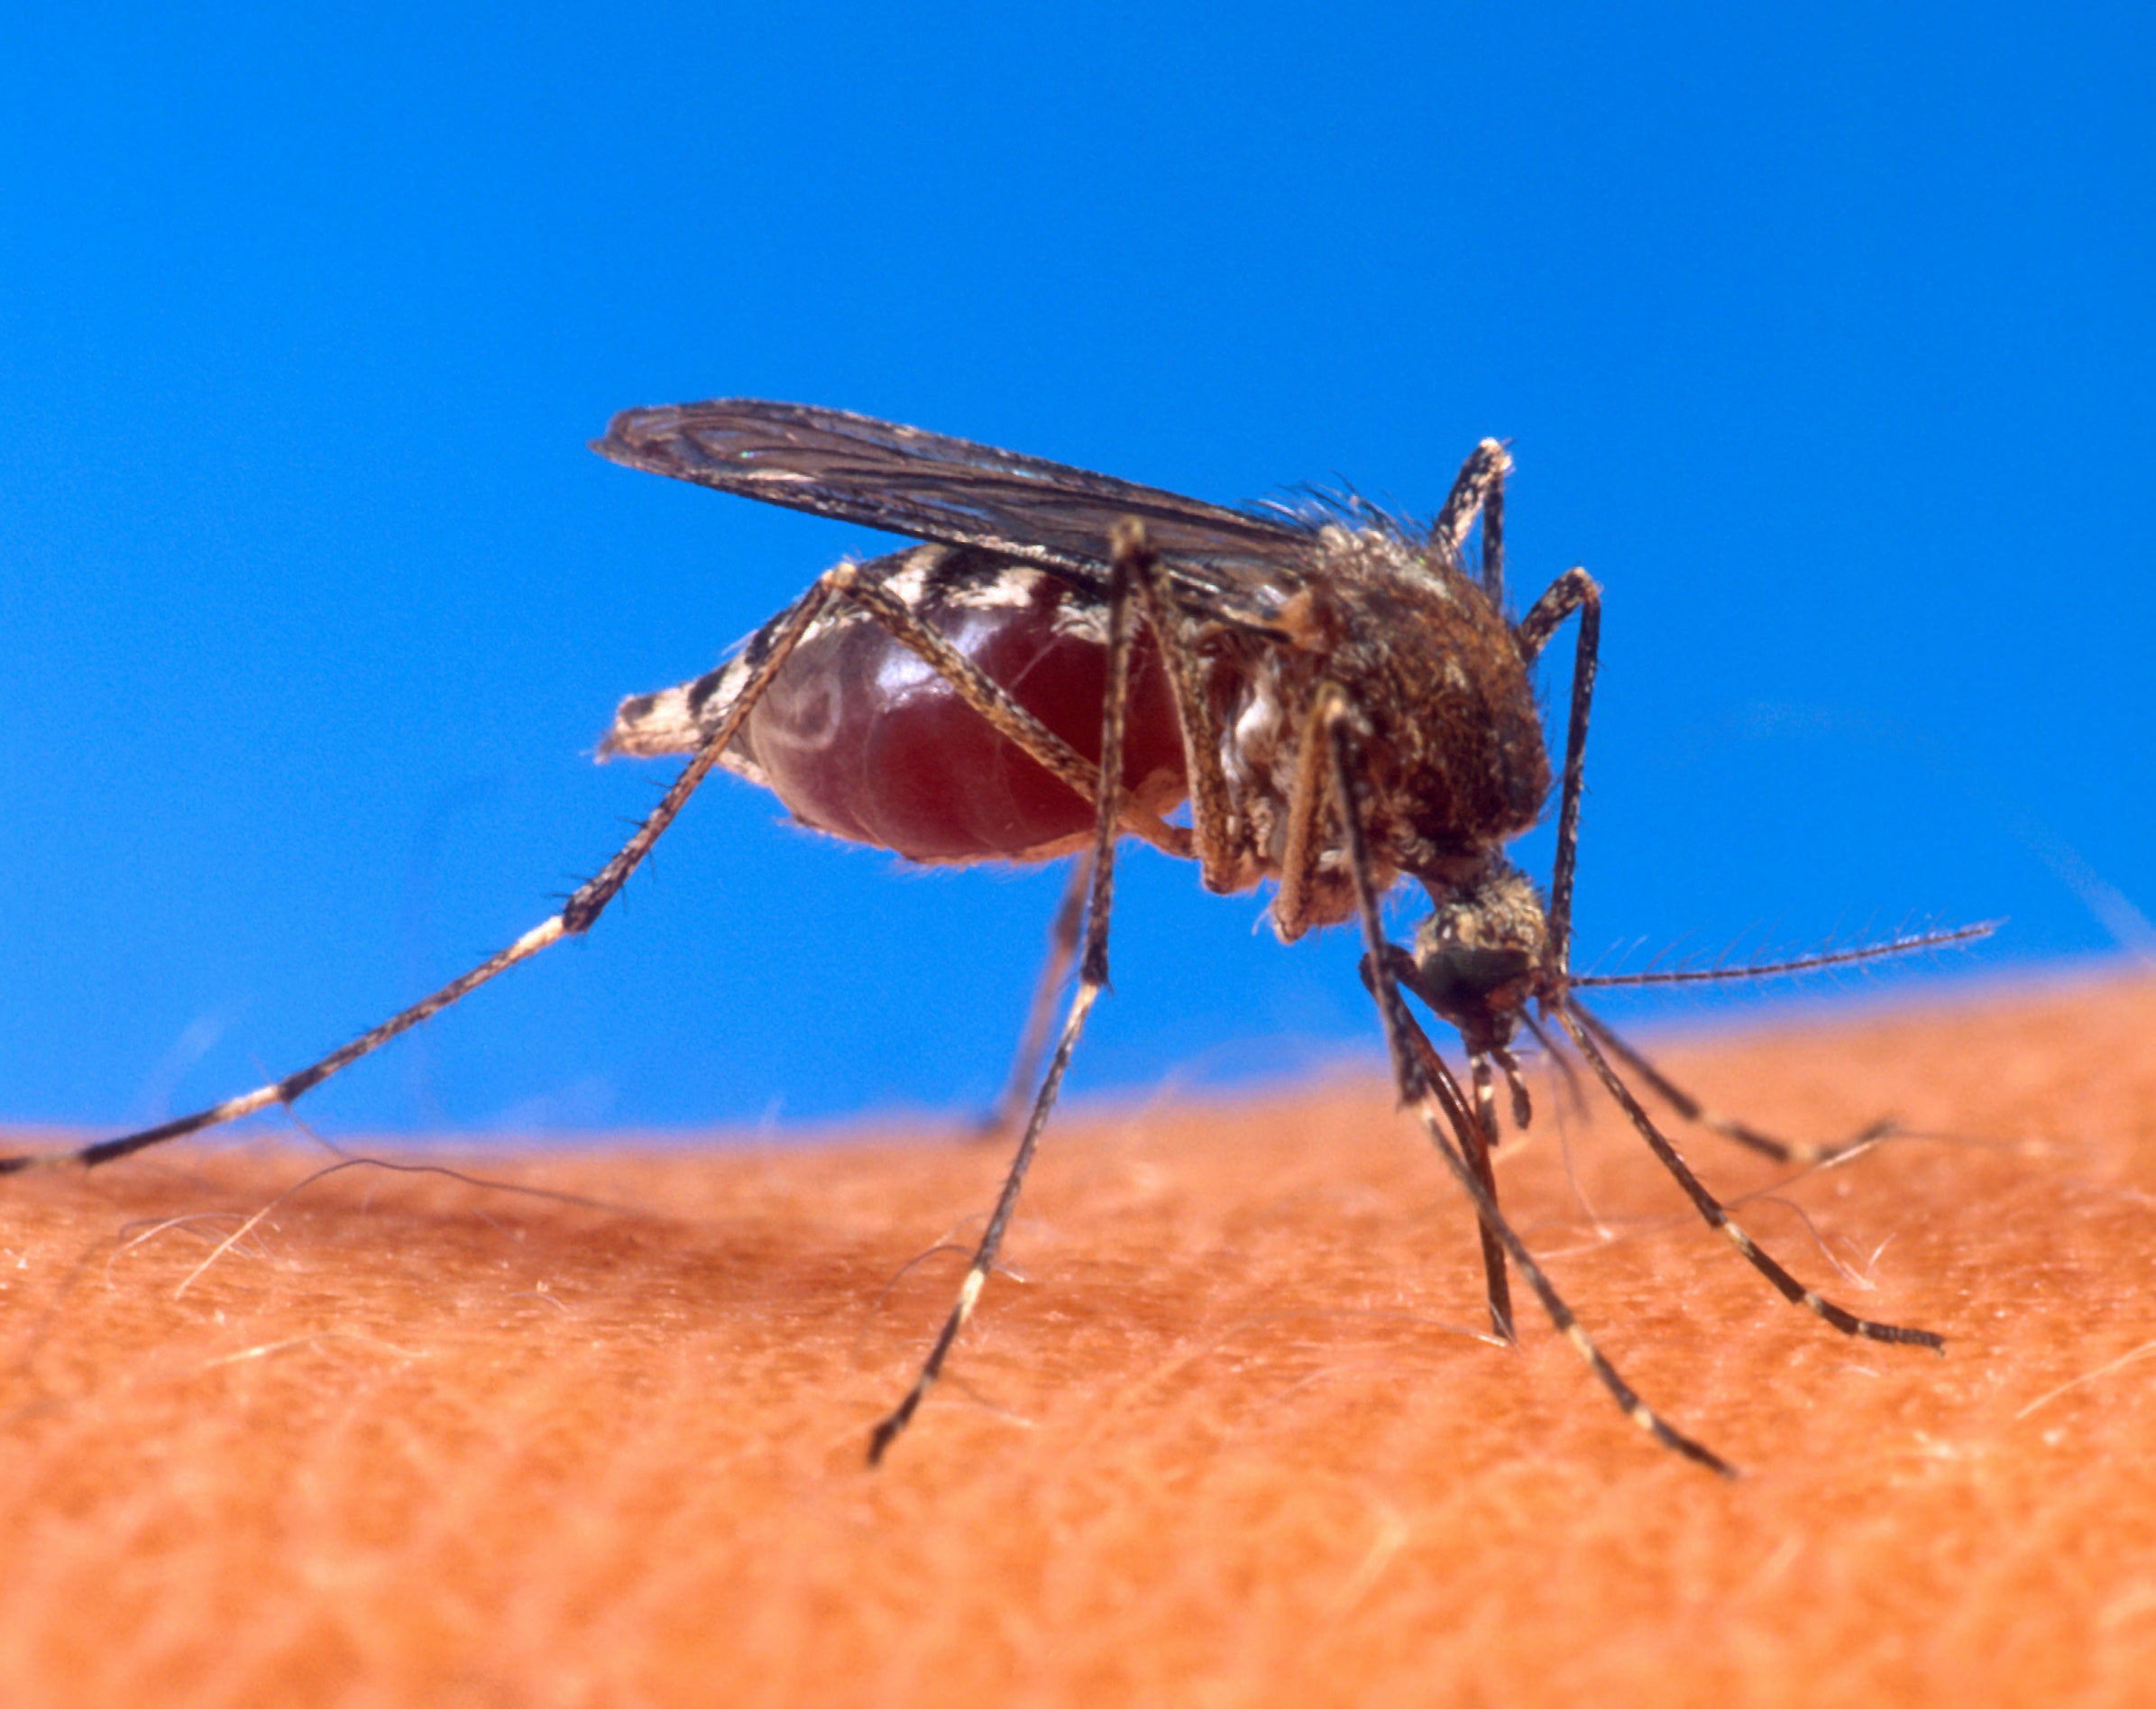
[(1451, 762), (1479, 956), (1456, 764)]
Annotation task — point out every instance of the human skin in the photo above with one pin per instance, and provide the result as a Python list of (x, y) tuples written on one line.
[(1225, 1429)]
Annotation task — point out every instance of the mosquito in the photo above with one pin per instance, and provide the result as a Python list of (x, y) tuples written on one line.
[(1064, 659)]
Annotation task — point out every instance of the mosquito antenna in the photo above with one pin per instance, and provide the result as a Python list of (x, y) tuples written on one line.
[(1908, 944)]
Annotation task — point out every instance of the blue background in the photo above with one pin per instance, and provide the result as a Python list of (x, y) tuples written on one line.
[(1823, 336)]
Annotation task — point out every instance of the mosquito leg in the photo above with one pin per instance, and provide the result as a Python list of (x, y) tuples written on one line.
[(1306, 809), (577, 913), (1423, 1091), (1483, 1079), (1575, 590), (1006, 1203), (1478, 1137), (1482, 1085), (1221, 835), (1310, 807), (1783, 1151), (1478, 488), (842, 582), (1523, 1107), (1062, 946), (1129, 553), (1717, 1217)]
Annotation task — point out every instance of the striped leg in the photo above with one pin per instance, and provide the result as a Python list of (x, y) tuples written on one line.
[(1062, 946), (1133, 556), (1575, 590), (1717, 1217), (1430, 1093), (1806, 1152), (1477, 1139), (845, 582), (1479, 489), (577, 915)]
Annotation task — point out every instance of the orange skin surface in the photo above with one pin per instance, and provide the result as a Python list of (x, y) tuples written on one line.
[(1228, 1435)]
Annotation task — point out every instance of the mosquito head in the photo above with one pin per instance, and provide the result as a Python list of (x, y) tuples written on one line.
[(1479, 958)]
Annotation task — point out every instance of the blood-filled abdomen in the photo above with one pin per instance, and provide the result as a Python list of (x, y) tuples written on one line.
[(860, 736)]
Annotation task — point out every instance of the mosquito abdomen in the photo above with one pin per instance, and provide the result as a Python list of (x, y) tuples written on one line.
[(861, 737)]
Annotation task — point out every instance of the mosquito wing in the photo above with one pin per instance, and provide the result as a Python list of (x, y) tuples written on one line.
[(1228, 563)]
